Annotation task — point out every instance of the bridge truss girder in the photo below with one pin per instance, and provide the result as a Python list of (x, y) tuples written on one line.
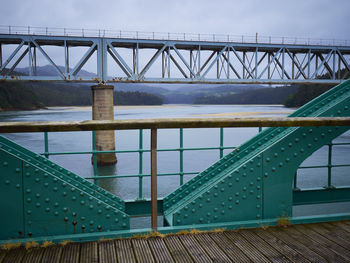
[(170, 61)]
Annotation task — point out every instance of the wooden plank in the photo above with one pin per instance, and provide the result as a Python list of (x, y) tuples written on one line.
[(323, 251), (334, 233), (177, 250), (271, 253), (14, 255), (337, 231), (107, 252), (94, 125), (70, 253), (324, 240), (246, 247), (160, 250), (296, 245), (280, 246), (232, 251), (124, 250), (344, 226), (142, 251), (194, 248), (33, 255), (2, 254), (89, 252), (52, 254), (213, 250)]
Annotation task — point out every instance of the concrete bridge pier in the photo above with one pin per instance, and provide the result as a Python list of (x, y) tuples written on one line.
[(102, 109)]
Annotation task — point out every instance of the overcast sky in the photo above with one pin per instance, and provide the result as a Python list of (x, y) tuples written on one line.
[(303, 18)]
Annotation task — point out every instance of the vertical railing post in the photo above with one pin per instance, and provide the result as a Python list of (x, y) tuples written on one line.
[(329, 181), (181, 157), (140, 163), (94, 155), (221, 142), (154, 178), (260, 129), (46, 143)]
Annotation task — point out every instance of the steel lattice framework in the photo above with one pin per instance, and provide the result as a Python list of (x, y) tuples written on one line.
[(171, 61)]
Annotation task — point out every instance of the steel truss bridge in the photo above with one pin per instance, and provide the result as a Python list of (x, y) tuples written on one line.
[(170, 58)]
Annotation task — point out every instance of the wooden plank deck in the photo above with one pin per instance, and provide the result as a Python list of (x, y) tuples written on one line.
[(323, 242)]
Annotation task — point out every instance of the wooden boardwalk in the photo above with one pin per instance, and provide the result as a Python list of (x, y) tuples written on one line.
[(323, 242)]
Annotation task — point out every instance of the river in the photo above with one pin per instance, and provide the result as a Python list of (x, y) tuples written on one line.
[(168, 162)]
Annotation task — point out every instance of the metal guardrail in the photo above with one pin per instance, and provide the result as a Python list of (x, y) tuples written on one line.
[(154, 125), (81, 32)]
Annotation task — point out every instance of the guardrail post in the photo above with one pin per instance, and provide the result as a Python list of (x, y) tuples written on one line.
[(46, 143), (94, 155), (154, 178), (221, 142), (140, 163), (329, 179), (181, 157)]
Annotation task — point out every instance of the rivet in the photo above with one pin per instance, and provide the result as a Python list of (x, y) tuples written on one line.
[(266, 174), (5, 164), (37, 204), (244, 196), (28, 191), (47, 209), (29, 200), (258, 216), (267, 160), (17, 170), (47, 200), (273, 169), (280, 164), (258, 206), (258, 197), (7, 182), (237, 179), (275, 155), (56, 204), (244, 188), (56, 213), (208, 200), (295, 154), (18, 186), (244, 174), (74, 198)]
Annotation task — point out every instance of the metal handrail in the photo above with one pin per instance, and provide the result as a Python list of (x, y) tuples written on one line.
[(81, 32), (9, 127)]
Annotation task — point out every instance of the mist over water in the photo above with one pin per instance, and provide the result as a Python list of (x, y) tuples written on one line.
[(168, 162)]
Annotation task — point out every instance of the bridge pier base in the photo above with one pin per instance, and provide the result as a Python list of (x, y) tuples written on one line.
[(103, 109)]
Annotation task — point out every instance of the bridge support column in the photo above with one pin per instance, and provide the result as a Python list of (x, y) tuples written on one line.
[(102, 109)]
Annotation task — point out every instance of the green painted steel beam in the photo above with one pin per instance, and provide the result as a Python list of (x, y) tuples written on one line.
[(175, 229), (319, 196), (142, 207)]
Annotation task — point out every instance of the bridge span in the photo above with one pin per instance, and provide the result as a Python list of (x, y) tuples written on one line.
[(150, 57)]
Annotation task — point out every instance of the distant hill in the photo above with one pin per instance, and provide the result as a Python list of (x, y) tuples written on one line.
[(258, 96), (49, 70), (36, 95)]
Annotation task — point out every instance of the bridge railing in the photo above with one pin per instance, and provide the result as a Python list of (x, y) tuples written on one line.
[(82, 32), (180, 124)]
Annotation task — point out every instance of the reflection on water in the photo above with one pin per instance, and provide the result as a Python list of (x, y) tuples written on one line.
[(168, 162)]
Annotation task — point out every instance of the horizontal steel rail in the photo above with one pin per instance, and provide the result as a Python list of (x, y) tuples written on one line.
[(65, 126)]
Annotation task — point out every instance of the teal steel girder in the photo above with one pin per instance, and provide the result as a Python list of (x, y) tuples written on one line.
[(255, 180), (68, 176), (41, 203)]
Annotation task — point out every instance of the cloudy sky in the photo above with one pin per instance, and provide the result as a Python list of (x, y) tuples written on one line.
[(297, 18)]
